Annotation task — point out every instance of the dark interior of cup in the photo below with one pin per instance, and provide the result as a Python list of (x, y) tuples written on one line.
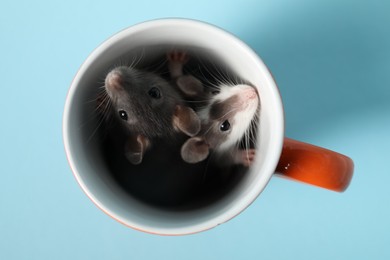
[(163, 179)]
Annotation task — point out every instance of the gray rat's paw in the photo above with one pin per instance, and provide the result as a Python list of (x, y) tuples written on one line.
[(134, 158), (245, 157), (176, 60), (186, 120), (135, 148), (194, 150), (177, 56)]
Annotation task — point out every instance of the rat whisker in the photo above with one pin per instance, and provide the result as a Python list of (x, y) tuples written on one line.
[(103, 107), (138, 60)]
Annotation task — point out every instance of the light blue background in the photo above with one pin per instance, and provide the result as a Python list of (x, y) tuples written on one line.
[(331, 60)]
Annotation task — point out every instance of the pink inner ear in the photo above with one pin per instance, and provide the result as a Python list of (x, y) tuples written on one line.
[(195, 150), (186, 120), (190, 85)]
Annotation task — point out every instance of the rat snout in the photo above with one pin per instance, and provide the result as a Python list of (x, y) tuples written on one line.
[(246, 92), (250, 93), (248, 97), (114, 81)]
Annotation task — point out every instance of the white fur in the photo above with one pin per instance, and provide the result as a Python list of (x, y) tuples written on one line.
[(242, 119)]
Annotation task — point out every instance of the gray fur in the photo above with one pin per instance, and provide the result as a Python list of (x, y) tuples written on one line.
[(148, 116)]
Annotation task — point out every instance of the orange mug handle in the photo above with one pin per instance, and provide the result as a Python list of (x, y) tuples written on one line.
[(314, 165)]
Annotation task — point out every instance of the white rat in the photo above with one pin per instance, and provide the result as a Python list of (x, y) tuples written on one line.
[(228, 116)]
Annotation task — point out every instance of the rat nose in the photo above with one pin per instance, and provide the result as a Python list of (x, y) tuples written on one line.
[(114, 80), (250, 93)]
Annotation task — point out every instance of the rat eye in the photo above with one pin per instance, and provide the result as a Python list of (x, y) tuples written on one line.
[(123, 114), (215, 92), (154, 93), (225, 126)]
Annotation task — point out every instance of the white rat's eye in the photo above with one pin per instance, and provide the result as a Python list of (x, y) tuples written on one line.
[(225, 126), (123, 114), (154, 93)]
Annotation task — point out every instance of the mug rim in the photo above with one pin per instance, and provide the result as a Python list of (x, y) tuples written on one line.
[(278, 136)]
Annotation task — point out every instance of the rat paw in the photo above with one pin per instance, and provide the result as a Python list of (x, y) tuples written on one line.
[(176, 60), (176, 56), (134, 158), (246, 157), (135, 148)]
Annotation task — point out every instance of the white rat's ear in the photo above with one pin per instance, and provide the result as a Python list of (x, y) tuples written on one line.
[(190, 85), (135, 148), (195, 150), (186, 120)]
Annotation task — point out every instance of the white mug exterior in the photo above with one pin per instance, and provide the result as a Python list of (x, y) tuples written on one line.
[(91, 173)]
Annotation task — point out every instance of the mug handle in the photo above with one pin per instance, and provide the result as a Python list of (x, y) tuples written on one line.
[(314, 165)]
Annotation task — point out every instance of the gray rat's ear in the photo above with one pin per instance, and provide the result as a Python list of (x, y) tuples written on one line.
[(186, 120), (190, 85), (194, 150), (135, 148)]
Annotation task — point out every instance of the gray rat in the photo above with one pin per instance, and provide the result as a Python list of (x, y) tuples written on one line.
[(149, 107)]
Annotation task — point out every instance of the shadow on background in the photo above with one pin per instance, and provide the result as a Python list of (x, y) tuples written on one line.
[(330, 60)]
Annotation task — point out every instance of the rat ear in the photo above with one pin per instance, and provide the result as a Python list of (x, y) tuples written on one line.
[(190, 85), (186, 120), (194, 150), (135, 148)]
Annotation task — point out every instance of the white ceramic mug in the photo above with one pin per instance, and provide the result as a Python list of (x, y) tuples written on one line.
[(276, 153)]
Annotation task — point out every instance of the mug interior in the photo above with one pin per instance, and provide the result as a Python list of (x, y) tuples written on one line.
[(143, 45)]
